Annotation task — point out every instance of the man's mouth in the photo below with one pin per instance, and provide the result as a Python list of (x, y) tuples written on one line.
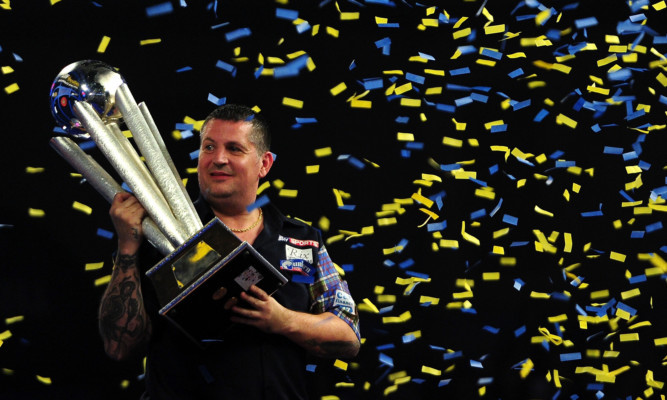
[(220, 174)]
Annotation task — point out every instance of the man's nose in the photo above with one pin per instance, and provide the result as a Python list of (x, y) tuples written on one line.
[(220, 157)]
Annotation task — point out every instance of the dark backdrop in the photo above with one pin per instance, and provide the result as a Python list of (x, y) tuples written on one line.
[(516, 309)]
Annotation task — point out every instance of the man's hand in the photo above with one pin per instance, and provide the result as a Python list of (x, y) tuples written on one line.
[(260, 310), (324, 335), (126, 214)]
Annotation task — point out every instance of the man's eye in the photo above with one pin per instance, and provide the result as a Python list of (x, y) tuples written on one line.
[(208, 147)]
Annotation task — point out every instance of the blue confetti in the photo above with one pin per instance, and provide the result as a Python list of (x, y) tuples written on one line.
[(459, 71), (415, 78), (284, 13), (585, 22), (104, 233), (654, 227), (226, 67), (237, 34), (159, 9), (570, 356), (516, 73)]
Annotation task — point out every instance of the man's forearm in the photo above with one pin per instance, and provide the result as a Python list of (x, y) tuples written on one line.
[(123, 322), (324, 335)]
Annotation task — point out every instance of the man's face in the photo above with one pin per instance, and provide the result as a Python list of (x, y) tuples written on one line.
[(229, 167)]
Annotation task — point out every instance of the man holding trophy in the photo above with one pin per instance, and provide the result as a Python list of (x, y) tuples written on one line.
[(262, 352)]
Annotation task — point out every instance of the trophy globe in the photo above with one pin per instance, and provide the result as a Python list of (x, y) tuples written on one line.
[(90, 81)]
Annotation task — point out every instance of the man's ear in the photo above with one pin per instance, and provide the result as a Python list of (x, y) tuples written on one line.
[(267, 162)]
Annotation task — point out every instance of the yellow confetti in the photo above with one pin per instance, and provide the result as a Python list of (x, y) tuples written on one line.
[(149, 41), (387, 221), (332, 31), (82, 207), (467, 236), (491, 124), (526, 368), (493, 29), (103, 44), (543, 212), (436, 72), (462, 33), (429, 213), (5, 335), (562, 119), (34, 170), (431, 371), (44, 380), (423, 200), (491, 276), (448, 141), (265, 185), (449, 244), (617, 256), (628, 294), (403, 88), (407, 102), (13, 320), (558, 318), (103, 280), (338, 89), (399, 319), (36, 213), (568, 242), (94, 266), (349, 16), (323, 152), (294, 103), (372, 306), (662, 79), (312, 169), (324, 223), (600, 294), (12, 88), (405, 137), (291, 193), (361, 104), (340, 365), (427, 299), (629, 337), (485, 193)]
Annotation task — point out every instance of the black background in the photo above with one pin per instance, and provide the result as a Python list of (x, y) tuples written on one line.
[(42, 260)]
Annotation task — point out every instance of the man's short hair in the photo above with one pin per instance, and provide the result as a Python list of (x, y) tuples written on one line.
[(259, 136)]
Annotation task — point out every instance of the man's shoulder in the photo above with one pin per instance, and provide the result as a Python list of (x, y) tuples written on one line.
[(294, 226)]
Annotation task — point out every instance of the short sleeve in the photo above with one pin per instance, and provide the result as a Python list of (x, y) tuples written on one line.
[(330, 293)]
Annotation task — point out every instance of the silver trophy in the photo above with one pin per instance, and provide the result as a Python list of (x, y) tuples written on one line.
[(203, 266)]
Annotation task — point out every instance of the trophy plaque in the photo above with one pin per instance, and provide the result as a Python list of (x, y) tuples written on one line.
[(203, 266)]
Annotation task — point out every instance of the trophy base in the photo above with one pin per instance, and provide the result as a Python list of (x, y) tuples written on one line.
[(195, 281)]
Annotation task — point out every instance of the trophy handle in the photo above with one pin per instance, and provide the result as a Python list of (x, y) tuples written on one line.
[(105, 185)]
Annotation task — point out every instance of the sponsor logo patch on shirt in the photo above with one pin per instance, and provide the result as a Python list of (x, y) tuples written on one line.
[(299, 242), (301, 266), (295, 253), (344, 300)]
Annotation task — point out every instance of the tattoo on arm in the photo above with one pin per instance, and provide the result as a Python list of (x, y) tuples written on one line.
[(333, 349), (123, 321), (125, 261)]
